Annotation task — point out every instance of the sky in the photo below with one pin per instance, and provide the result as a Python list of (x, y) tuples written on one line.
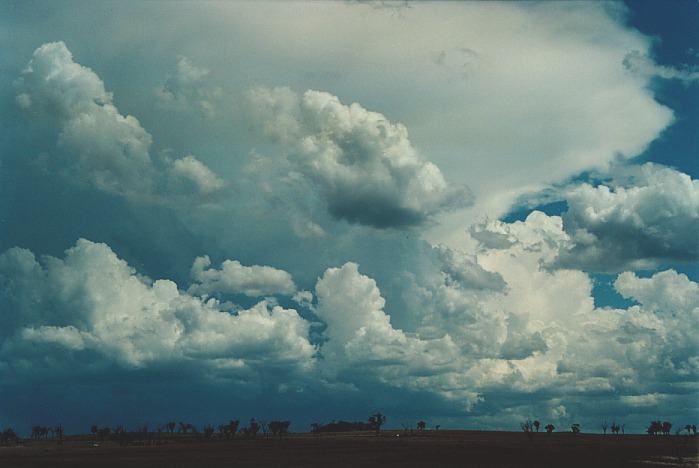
[(467, 213)]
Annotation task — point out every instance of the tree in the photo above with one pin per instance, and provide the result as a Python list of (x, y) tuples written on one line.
[(421, 425), (655, 428), (279, 428), (527, 426), (549, 428), (536, 425), (604, 427), (575, 428), (376, 421), (171, 426), (665, 427), (253, 428), (8, 436)]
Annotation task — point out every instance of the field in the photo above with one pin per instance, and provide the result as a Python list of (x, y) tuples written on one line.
[(391, 448)]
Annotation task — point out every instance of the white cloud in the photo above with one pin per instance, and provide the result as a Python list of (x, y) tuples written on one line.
[(364, 166), (190, 170), (648, 400), (653, 219), (234, 278), (187, 89), (666, 292), (642, 64), (92, 300), (98, 146)]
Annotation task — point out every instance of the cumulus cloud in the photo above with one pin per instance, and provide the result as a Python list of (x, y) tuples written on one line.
[(361, 339), (466, 271), (190, 170), (234, 278), (364, 166), (541, 333), (187, 88), (637, 62), (91, 300), (653, 219), (640, 218), (98, 146)]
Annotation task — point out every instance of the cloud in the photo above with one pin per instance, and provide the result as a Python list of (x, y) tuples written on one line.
[(187, 89), (652, 220), (92, 301), (466, 271), (364, 166), (665, 293), (637, 219), (648, 400), (234, 278), (190, 170), (479, 348), (98, 146), (642, 64)]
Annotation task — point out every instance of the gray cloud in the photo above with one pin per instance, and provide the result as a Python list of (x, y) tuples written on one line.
[(97, 145), (651, 220), (364, 166), (234, 278)]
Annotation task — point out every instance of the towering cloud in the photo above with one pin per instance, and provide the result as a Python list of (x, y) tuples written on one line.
[(364, 166), (97, 145)]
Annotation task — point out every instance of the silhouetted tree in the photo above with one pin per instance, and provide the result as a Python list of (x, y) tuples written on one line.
[(315, 428), (575, 428), (279, 428), (421, 425), (8, 436), (549, 428), (604, 427), (655, 428), (376, 421), (171, 426), (252, 429), (208, 431), (666, 427)]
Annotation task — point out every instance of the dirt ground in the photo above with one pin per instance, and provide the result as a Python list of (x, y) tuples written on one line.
[(391, 448)]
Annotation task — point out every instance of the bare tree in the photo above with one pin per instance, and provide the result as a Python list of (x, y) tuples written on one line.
[(536, 425), (376, 421), (605, 425), (549, 428), (421, 425)]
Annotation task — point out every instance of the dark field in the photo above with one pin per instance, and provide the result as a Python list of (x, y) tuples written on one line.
[(443, 448)]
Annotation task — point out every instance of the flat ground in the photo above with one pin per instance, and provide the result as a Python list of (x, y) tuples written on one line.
[(391, 448)]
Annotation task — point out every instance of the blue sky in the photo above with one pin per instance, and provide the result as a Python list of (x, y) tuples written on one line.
[(468, 213)]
